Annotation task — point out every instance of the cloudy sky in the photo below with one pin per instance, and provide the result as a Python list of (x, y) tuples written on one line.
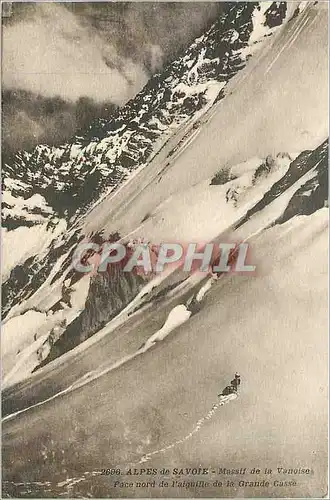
[(64, 64)]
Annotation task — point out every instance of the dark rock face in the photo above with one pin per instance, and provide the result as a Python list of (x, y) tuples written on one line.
[(265, 168), (312, 196), (26, 278), (222, 177), (108, 294), (306, 161), (276, 14)]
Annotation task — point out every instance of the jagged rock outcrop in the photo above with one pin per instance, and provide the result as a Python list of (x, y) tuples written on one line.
[(108, 294), (305, 162), (312, 195), (72, 176)]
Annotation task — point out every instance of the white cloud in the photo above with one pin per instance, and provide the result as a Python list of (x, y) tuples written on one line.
[(53, 53)]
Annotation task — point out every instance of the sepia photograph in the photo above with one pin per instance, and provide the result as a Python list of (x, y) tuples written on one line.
[(164, 251)]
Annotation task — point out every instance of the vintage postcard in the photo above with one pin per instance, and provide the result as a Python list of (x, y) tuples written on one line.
[(165, 249)]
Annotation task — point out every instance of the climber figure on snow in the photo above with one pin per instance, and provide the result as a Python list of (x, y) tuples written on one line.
[(236, 381), (232, 388)]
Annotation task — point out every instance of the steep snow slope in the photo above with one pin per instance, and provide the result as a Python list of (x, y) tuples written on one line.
[(48, 189), (76, 176), (27, 339), (281, 113), (248, 164), (271, 421), (259, 195), (179, 176)]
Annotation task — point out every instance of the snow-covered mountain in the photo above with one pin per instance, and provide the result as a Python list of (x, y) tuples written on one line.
[(49, 192), (74, 175), (228, 143), (49, 188)]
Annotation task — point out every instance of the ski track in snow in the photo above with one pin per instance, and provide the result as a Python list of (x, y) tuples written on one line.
[(304, 20), (70, 482), (196, 429)]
